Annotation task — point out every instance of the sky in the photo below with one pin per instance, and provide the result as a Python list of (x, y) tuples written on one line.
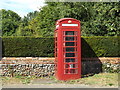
[(21, 7)]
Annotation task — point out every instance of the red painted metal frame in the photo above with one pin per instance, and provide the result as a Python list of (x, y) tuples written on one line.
[(60, 69)]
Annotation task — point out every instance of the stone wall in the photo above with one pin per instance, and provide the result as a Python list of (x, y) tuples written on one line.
[(37, 70), (36, 66)]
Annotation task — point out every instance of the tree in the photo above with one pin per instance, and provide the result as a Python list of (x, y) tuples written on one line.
[(28, 25), (97, 19), (10, 22), (53, 11), (105, 20)]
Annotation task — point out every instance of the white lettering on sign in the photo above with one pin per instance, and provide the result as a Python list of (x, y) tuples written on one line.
[(69, 24)]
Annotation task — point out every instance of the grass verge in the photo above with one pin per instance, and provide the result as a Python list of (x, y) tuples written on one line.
[(101, 79)]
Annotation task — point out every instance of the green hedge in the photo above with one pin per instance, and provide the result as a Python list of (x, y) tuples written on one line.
[(27, 46), (100, 46), (44, 47)]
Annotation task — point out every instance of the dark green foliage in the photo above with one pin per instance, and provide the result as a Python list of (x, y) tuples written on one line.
[(100, 46), (44, 47), (27, 46)]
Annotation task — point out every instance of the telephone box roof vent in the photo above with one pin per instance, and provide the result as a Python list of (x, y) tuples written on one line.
[(70, 19)]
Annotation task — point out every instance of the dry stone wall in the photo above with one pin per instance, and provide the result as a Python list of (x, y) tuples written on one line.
[(41, 67), (37, 70)]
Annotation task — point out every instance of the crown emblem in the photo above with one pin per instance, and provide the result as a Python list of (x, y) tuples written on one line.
[(69, 21)]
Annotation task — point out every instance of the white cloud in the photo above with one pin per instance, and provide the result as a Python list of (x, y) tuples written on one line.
[(22, 7), (32, 4)]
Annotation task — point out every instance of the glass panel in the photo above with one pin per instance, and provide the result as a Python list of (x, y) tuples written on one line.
[(72, 66), (67, 71), (70, 54), (66, 65), (70, 49), (70, 60), (69, 38), (69, 33), (69, 44), (72, 71)]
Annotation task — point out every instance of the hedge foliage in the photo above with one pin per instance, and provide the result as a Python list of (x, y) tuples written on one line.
[(99, 46), (27, 46)]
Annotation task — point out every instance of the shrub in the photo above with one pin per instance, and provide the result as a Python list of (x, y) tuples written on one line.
[(27, 46), (98, 46)]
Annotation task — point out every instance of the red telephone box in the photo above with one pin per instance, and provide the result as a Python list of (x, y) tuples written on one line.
[(67, 49)]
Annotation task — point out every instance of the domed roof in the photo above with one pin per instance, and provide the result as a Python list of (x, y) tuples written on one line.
[(67, 19)]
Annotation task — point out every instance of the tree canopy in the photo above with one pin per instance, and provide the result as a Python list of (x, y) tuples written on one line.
[(10, 22), (97, 19)]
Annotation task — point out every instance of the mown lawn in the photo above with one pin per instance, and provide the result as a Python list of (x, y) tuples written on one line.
[(102, 79)]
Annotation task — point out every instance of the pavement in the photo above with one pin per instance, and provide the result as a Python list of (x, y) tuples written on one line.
[(52, 86)]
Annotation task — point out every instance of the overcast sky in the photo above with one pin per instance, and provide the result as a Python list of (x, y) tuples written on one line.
[(22, 7)]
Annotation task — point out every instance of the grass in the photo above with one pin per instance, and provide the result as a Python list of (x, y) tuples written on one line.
[(102, 79), (17, 80)]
